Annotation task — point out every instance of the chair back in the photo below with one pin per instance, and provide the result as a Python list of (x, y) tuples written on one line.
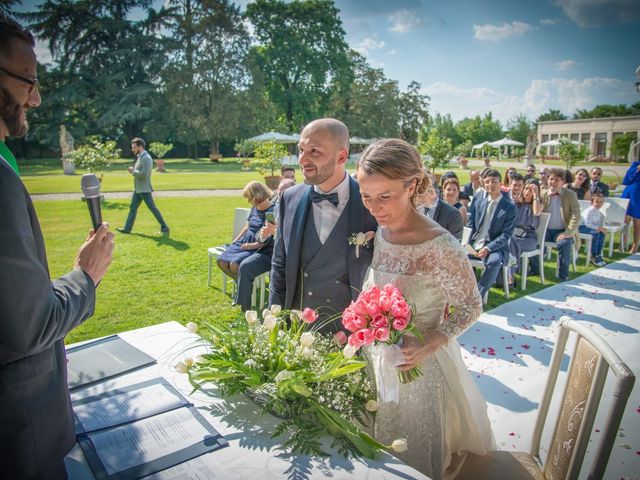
[(239, 221), (591, 360), (541, 231), (584, 204), (616, 210), (466, 235)]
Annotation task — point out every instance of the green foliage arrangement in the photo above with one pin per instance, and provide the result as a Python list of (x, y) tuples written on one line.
[(621, 144), (437, 148), (160, 149), (268, 156), (571, 154), (96, 155), (294, 372)]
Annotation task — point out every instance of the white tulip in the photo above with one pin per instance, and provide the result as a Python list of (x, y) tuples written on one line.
[(284, 375), (270, 322), (251, 316), (400, 445), (296, 313), (349, 351), (306, 339), (191, 327), (199, 359), (307, 353), (361, 238), (371, 406), (266, 312), (181, 367), (275, 309)]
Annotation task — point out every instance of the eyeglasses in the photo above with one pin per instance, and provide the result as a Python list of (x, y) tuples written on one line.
[(33, 83)]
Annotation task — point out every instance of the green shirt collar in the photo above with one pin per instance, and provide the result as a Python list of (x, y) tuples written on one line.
[(8, 156)]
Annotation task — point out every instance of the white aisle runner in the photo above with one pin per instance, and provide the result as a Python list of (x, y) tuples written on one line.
[(508, 351)]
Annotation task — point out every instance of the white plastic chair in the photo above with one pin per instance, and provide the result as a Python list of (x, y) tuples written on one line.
[(591, 361), (479, 264), (614, 222), (239, 221), (541, 233)]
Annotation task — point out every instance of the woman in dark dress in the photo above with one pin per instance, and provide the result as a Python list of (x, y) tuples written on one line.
[(451, 195), (247, 250), (527, 201), (581, 184)]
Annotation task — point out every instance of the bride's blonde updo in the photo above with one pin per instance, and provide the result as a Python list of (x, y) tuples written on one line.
[(395, 159)]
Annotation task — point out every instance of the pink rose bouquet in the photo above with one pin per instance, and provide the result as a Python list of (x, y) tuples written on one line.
[(379, 315)]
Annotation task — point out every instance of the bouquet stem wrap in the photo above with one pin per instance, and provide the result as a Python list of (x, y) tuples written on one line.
[(384, 360)]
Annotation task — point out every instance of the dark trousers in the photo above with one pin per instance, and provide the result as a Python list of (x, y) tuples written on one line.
[(493, 264), (249, 269), (136, 200), (564, 252)]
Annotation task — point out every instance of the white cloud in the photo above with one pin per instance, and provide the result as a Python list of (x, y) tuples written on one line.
[(566, 95), (365, 46), (43, 54), (495, 33), (565, 65), (404, 21), (596, 13), (548, 21)]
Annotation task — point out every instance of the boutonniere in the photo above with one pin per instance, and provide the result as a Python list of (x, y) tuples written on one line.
[(360, 240)]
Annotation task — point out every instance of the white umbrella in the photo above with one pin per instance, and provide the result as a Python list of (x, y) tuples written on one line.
[(361, 141), (558, 142), (506, 142), (275, 137)]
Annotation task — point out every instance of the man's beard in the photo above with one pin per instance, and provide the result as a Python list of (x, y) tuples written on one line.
[(10, 113)]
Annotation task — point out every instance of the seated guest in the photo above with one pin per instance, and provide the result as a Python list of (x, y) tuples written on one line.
[(562, 204), (446, 176), (447, 216), (568, 178), (580, 184), (593, 224), (491, 219), (464, 200), (451, 195), (288, 171), (475, 183), (504, 186), (543, 179), (531, 172), (246, 257), (596, 184), (526, 198)]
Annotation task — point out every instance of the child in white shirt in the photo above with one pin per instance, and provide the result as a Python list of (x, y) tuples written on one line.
[(593, 224)]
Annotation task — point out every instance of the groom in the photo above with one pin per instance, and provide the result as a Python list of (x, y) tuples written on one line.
[(313, 263)]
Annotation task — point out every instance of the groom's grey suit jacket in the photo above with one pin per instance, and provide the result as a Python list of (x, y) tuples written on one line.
[(330, 277), (36, 428)]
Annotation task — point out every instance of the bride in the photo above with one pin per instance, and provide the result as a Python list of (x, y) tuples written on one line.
[(442, 413)]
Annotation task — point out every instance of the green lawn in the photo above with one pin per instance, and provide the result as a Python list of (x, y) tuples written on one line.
[(155, 279)]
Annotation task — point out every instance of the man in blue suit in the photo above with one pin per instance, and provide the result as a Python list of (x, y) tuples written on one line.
[(313, 263), (492, 218)]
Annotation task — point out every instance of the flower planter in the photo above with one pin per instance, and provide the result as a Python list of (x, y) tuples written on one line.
[(160, 166), (272, 181), (464, 162)]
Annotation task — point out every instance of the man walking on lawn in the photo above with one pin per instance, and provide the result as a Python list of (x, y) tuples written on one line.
[(142, 189)]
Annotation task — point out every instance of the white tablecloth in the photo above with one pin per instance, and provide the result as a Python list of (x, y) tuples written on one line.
[(252, 453)]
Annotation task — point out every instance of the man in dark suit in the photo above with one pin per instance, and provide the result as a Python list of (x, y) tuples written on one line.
[(313, 263), (596, 185), (492, 218), (447, 216), (36, 427)]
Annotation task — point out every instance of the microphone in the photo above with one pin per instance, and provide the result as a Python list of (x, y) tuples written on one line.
[(91, 190)]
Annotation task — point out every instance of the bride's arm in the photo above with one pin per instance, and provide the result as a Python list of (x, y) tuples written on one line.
[(453, 272), (451, 269)]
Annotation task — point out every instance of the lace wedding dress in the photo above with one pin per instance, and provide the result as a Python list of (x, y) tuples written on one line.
[(442, 414)]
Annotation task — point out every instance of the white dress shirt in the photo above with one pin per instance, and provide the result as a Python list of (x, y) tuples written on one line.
[(325, 214)]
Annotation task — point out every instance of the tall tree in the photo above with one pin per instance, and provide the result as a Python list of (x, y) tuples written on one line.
[(519, 128), (207, 70), (109, 61), (445, 126), (301, 49), (413, 112), (551, 115), (370, 105), (480, 129), (605, 111)]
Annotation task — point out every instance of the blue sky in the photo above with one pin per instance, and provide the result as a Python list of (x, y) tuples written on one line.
[(504, 56)]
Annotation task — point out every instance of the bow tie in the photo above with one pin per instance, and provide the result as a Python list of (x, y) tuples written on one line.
[(317, 197)]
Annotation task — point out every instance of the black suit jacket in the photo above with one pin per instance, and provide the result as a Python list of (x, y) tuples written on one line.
[(36, 428), (285, 263), (449, 218)]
